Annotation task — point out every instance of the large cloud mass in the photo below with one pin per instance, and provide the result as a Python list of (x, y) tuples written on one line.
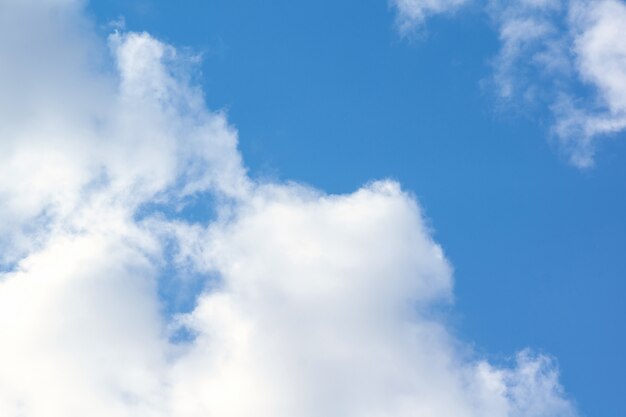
[(310, 304)]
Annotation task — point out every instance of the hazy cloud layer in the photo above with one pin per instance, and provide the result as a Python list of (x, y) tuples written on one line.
[(313, 305)]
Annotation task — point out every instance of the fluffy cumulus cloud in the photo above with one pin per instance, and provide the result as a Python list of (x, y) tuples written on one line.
[(309, 304)]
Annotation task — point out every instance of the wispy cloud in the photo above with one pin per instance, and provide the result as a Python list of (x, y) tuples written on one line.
[(599, 48), (317, 305), (569, 56), (566, 56), (411, 14)]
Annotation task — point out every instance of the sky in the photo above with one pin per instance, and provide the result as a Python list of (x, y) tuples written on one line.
[(405, 208)]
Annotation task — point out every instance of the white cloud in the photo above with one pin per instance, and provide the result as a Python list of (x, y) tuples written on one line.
[(324, 309), (412, 13), (567, 55), (318, 305), (600, 61), (527, 32), (570, 55)]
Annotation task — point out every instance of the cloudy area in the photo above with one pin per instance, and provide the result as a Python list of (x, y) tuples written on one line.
[(310, 304), (566, 55)]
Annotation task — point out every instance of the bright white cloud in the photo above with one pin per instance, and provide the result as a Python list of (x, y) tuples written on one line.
[(318, 305), (324, 310)]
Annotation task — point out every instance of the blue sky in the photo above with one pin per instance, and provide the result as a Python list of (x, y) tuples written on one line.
[(334, 95), (331, 95)]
